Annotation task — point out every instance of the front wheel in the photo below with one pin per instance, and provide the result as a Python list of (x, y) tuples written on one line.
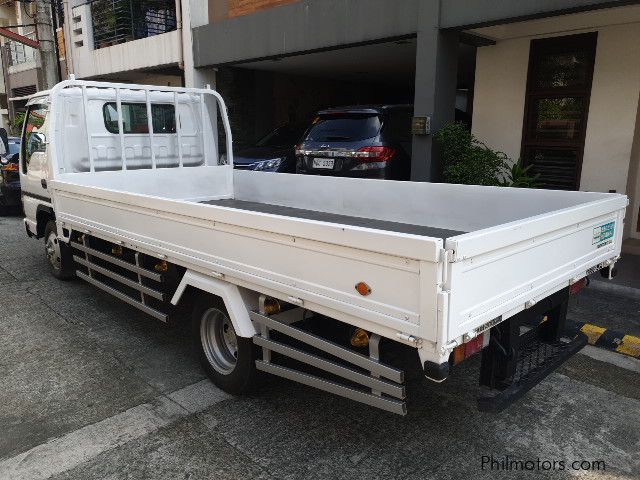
[(58, 254), (228, 360)]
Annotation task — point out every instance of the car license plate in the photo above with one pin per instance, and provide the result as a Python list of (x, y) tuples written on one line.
[(326, 163)]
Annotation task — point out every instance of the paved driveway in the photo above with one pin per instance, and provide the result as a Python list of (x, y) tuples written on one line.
[(90, 389)]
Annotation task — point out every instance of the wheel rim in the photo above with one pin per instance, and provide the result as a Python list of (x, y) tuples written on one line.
[(52, 248), (219, 340)]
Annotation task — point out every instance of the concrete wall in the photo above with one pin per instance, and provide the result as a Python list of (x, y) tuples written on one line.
[(303, 26), (195, 13), (23, 78), (632, 221), (612, 112), (221, 9), (152, 52), (500, 94), (467, 13)]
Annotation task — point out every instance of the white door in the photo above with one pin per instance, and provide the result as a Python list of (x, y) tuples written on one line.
[(34, 168)]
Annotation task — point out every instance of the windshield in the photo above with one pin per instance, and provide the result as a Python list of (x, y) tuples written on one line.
[(344, 128), (284, 136)]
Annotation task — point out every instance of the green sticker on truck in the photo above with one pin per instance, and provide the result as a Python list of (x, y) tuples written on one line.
[(603, 232)]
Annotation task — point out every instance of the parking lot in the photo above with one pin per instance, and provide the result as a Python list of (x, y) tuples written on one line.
[(91, 388)]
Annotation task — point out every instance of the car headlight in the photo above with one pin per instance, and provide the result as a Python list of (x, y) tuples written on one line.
[(272, 164)]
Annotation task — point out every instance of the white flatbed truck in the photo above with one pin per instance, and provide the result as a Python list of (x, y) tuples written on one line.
[(126, 185)]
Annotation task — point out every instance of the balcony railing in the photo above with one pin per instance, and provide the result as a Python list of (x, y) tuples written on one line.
[(119, 21)]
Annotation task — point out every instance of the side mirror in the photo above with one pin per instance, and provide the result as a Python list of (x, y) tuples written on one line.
[(37, 143), (39, 137)]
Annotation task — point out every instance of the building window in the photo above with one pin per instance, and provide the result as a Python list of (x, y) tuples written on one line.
[(134, 118), (556, 108)]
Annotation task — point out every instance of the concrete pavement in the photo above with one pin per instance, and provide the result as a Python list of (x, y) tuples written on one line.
[(90, 388)]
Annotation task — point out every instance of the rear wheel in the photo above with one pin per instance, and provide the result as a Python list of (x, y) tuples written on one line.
[(228, 360), (58, 253)]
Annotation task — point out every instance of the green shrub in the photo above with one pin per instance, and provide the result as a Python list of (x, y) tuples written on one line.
[(518, 177), (469, 161), (18, 120)]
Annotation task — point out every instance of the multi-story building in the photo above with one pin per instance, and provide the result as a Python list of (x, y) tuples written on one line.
[(555, 83), (139, 41)]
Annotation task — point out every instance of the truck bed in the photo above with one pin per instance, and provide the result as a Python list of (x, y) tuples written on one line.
[(442, 260), (398, 227)]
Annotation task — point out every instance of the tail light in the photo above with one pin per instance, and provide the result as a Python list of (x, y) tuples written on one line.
[(10, 167), (464, 351), (576, 287), (375, 154)]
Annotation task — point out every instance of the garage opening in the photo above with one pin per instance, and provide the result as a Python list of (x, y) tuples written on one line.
[(281, 96)]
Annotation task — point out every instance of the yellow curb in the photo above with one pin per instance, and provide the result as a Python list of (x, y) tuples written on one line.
[(630, 346), (593, 332)]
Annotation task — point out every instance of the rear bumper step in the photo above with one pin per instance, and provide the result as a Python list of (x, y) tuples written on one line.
[(535, 360), (514, 362)]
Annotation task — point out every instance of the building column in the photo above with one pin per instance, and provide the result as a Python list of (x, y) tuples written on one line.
[(193, 13), (435, 89)]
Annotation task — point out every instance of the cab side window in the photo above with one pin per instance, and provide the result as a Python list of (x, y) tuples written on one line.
[(34, 140)]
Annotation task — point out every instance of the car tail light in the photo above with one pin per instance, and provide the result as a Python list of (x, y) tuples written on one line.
[(464, 351), (579, 285), (375, 154), (10, 167)]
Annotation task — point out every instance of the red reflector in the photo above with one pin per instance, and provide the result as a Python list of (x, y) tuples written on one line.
[(464, 351), (474, 346), (376, 154), (579, 285)]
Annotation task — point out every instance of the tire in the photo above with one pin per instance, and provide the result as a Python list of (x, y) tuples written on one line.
[(58, 253), (228, 360)]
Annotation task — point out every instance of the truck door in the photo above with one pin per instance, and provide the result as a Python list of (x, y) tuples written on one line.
[(34, 169)]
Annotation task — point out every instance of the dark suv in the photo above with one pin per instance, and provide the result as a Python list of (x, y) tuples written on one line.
[(362, 141)]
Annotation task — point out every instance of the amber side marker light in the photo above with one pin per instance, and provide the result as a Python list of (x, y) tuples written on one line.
[(161, 267), (272, 306), (363, 289), (360, 338)]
